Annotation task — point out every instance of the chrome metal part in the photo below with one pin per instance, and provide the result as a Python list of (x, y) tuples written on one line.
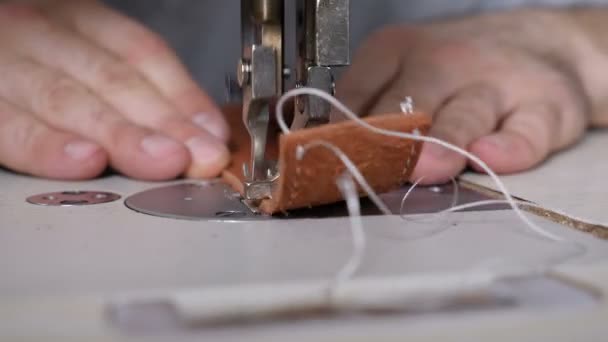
[(216, 201), (73, 198), (260, 74), (310, 110), (323, 42), (323, 33), (211, 201), (260, 189), (326, 31)]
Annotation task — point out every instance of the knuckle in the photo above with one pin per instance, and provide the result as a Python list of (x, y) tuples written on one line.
[(450, 134), (541, 116), (552, 123), (546, 125), (56, 95), (114, 76), (114, 132), (71, 106), (99, 115), (571, 109), (102, 120), (451, 50), (148, 44), (484, 95), (469, 115), (468, 106), (177, 128), (26, 134), (538, 127)]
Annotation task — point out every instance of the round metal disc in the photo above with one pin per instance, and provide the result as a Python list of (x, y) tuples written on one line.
[(192, 201), (73, 198), (216, 201)]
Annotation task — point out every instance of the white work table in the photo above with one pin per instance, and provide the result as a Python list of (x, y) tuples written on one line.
[(60, 267)]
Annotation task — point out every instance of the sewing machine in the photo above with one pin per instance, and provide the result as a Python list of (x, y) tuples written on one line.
[(322, 29), (69, 249)]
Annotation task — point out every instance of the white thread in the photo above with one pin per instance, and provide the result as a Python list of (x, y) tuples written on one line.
[(351, 167), (347, 187), (577, 246), (477, 204), (354, 171), (407, 195), (227, 305), (351, 267), (455, 196), (352, 116)]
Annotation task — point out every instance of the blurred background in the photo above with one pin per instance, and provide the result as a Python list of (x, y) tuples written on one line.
[(206, 34)]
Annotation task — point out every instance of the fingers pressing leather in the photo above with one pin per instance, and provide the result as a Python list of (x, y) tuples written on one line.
[(27, 145), (147, 53), (463, 118), (124, 88), (62, 103), (526, 138)]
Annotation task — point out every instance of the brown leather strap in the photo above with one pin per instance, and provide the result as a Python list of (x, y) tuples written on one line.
[(386, 162)]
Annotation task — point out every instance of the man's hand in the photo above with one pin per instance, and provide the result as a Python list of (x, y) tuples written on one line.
[(506, 87), (83, 87)]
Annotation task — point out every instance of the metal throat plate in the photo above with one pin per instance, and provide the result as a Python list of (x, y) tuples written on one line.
[(216, 201)]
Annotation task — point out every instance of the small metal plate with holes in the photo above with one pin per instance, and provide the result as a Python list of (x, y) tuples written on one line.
[(216, 201), (73, 198), (212, 200)]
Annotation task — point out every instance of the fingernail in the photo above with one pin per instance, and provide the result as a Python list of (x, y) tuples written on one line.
[(435, 151), (206, 150), (212, 124), (159, 146), (81, 150)]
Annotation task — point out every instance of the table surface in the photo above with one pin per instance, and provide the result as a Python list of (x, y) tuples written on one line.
[(573, 182), (61, 266)]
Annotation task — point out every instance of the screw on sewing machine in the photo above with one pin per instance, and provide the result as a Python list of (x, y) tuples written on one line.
[(243, 72), (233, 83), (286, 72)]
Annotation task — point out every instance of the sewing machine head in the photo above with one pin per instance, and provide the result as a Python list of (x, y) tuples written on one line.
[(322, 29)]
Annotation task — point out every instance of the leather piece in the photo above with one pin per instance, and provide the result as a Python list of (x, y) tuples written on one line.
[(385, 162)]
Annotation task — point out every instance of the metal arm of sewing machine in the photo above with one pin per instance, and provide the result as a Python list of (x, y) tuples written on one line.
[(322, 29)]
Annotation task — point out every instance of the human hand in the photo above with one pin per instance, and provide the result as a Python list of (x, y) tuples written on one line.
[(83, 87), (503, 86)]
